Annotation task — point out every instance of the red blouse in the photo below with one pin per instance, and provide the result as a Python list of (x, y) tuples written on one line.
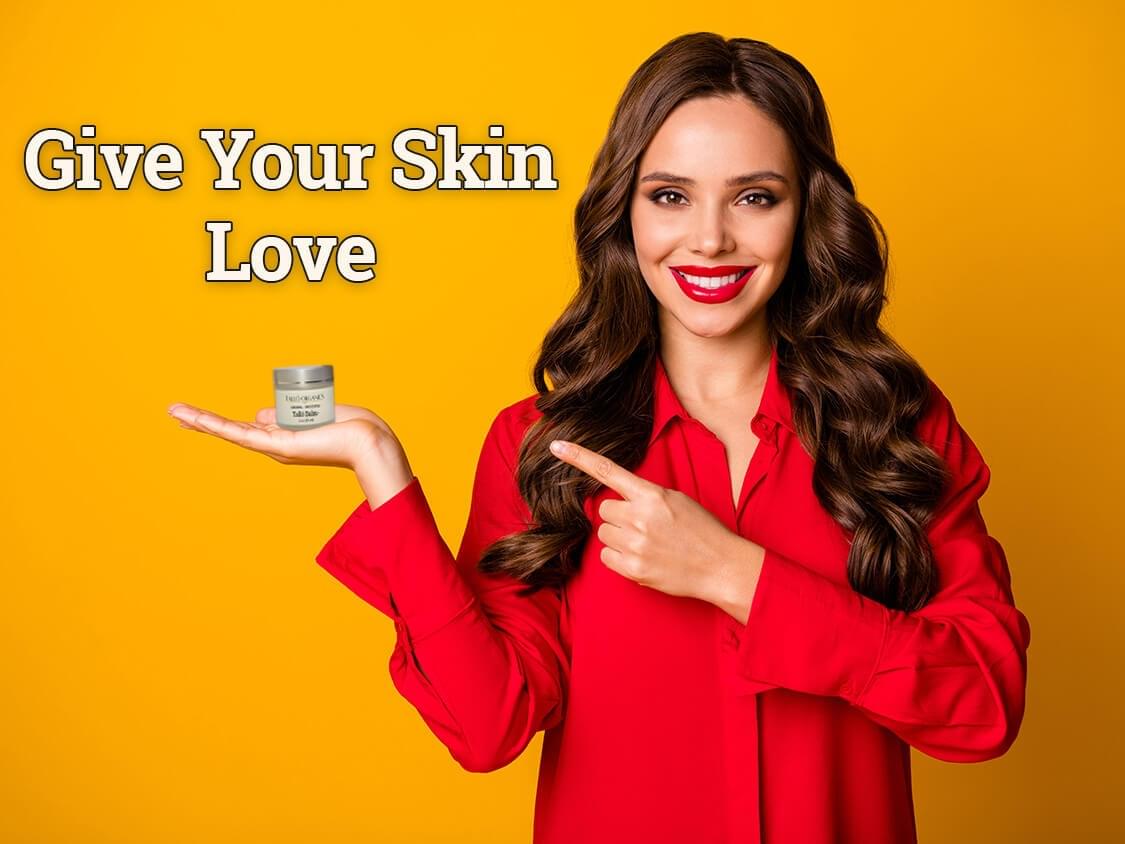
[(666, 719)]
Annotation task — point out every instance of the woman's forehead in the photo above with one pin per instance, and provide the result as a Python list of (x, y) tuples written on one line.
[(714, 138)]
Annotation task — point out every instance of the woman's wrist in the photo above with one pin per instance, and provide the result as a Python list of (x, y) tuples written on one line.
[(382, 470), (740, 580)]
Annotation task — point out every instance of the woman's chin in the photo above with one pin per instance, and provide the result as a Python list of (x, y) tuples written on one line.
[(712, 326)]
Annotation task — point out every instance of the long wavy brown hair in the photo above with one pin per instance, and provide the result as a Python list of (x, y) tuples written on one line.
[(857, 394)]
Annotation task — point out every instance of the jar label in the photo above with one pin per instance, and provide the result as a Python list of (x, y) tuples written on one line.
[(303, 408)]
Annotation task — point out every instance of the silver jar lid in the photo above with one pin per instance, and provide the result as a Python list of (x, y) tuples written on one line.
[(288, 376)]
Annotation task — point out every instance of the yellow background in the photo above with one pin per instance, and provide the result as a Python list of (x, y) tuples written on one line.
[(176, 666)]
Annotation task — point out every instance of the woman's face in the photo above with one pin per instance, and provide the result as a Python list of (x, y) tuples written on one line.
[(716, 194)]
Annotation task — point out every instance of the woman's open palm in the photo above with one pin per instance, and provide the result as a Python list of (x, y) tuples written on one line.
[(356, 432)]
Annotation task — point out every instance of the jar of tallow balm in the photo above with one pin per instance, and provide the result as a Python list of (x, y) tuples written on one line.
[(303, 396)]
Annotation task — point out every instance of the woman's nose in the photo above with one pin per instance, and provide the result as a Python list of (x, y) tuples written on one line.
[(711, 234)]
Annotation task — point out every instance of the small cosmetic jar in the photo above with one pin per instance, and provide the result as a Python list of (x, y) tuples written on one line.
[(303, 396)]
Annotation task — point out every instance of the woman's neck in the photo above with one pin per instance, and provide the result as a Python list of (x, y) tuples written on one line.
[(714, 370)]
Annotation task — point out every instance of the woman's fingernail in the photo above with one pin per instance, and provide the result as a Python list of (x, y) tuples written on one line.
[(560, 447)]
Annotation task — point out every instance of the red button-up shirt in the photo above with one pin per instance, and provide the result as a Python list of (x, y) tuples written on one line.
[(666, 719)]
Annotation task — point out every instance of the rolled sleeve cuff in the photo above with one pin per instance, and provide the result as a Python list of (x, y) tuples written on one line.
[(808, 633), (395, 559)]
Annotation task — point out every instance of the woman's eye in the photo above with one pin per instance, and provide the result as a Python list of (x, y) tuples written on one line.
[(763, 200), (658, 195), (766, 199)]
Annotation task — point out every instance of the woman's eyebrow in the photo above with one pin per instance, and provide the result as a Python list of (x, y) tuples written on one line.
[(734, 181)]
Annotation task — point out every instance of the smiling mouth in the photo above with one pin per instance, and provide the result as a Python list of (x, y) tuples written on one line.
[(713, 280)]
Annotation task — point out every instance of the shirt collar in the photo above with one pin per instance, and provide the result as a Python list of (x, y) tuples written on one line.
[(775, 404)]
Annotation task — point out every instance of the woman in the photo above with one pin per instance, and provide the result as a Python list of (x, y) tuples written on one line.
[(759, 573)]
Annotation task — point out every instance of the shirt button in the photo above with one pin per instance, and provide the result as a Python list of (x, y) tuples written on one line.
[(846, 689), (732, 638)]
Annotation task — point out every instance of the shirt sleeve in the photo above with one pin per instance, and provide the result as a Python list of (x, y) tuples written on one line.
[(949, 678), (483, 666)]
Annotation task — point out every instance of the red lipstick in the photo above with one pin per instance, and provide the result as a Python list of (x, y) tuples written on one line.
[(687, 277)]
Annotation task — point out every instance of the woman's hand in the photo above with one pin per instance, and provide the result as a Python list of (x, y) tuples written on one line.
[(664, 539), (357, 440)]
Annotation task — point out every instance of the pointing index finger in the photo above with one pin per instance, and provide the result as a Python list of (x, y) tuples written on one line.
[(601, 468)]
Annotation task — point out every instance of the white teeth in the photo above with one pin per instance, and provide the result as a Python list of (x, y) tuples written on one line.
[(712, 283)]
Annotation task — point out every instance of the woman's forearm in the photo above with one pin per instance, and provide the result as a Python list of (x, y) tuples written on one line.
[(382, 471)]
